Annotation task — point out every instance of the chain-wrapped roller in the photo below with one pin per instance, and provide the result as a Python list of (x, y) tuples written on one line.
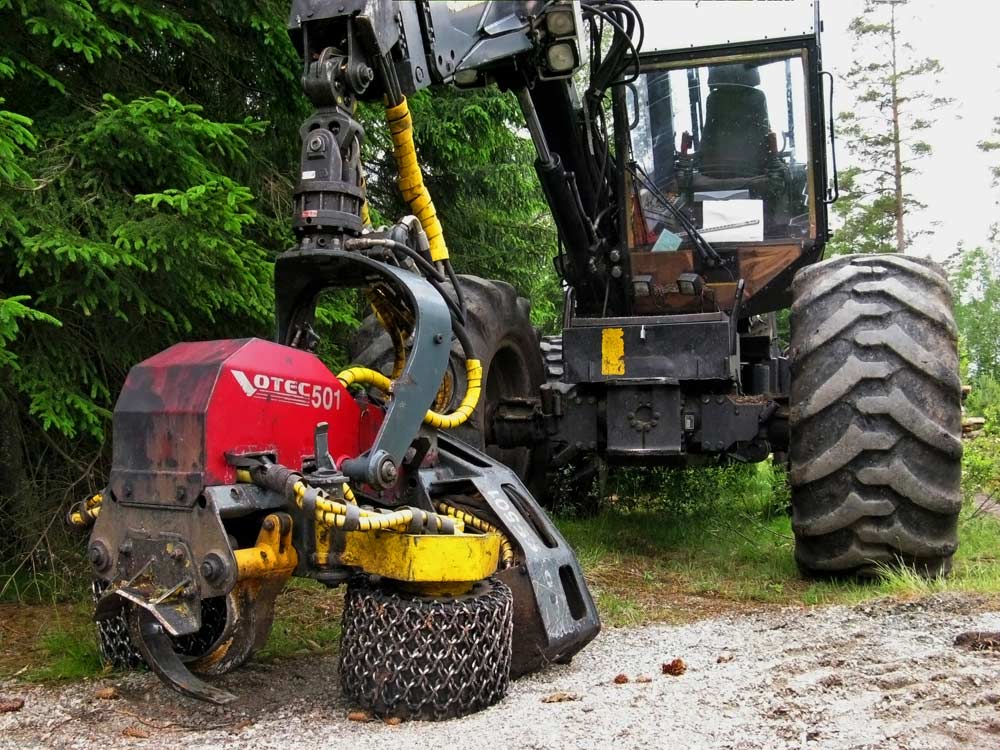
[(415, 657)]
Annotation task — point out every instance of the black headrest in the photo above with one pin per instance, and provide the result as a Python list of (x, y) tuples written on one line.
[(735, 74)]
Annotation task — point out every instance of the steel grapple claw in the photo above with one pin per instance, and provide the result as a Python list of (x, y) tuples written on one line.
[(157, 649)]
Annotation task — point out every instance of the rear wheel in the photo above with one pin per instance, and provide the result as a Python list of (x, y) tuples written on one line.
[(578, 487), (876, 417), (499, 325)]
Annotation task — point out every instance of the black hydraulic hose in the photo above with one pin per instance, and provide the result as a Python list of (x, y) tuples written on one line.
[(615, 54), (463, 339), (624, 7), (389, 80), (435, 279), (433, 276), (624, 20), (364, 243), (705, 250), (456, 313), (459, 294)]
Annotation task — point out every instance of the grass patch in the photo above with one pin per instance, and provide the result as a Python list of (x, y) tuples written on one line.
[(671, 546), (52, 643), (288, 638), (307, 621), (722, 535), (70, 653), (618, 610), (731, 545), (44, 643)]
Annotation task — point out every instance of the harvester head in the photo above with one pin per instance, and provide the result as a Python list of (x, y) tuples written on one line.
[(227, 479)]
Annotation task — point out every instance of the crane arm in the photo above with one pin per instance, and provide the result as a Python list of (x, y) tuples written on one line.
[(373, 50)]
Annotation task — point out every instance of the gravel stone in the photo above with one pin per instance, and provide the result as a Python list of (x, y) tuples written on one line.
[(885, 674)]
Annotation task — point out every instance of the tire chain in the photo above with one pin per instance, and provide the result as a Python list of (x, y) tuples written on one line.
[(118, 650), (419, 658)]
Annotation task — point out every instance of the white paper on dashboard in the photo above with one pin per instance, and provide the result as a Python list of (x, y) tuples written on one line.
[(721, 195), (733, 221)]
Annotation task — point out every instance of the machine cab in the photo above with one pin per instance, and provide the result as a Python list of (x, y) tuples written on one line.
[(727, 150)]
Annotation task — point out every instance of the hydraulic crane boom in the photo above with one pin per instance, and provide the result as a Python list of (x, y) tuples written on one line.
[(380, 50), (674, 231)]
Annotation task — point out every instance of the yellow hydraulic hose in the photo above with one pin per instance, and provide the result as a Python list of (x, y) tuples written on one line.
[(474, 376), (366, 216), (332, 513), (473, 386), (411, 184), (411, 181), (506, 548), (364, 376), (395, 323), (349, 494), (87, 512)]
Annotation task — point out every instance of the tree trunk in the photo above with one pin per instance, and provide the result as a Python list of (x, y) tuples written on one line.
[(896, 141), (11, 453)]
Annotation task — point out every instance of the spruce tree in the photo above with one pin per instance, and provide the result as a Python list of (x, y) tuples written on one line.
[(148, 156)]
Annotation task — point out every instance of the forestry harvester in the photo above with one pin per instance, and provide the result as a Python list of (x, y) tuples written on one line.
[(685, 221)]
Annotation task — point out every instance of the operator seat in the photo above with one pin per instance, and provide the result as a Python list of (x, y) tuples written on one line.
[(734, 140)]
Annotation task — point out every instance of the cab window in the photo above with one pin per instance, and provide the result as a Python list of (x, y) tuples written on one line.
[(726, 143)]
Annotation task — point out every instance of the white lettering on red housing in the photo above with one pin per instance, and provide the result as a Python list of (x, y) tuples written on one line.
[(287, 390)]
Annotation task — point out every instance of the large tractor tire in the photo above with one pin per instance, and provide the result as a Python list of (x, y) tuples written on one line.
[(876, 417), (499, 325)]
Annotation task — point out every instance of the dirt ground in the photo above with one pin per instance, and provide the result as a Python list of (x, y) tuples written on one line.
[(880, 675)]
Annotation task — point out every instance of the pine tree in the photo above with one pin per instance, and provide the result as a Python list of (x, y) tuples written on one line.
[(883, 132), (139, 145), (990, 145), (134, 146)]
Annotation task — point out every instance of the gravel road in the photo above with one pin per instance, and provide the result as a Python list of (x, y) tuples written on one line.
[(881, 675)]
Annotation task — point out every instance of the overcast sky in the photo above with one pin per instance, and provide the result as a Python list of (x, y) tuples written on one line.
[(954, 181), (962, 34)]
